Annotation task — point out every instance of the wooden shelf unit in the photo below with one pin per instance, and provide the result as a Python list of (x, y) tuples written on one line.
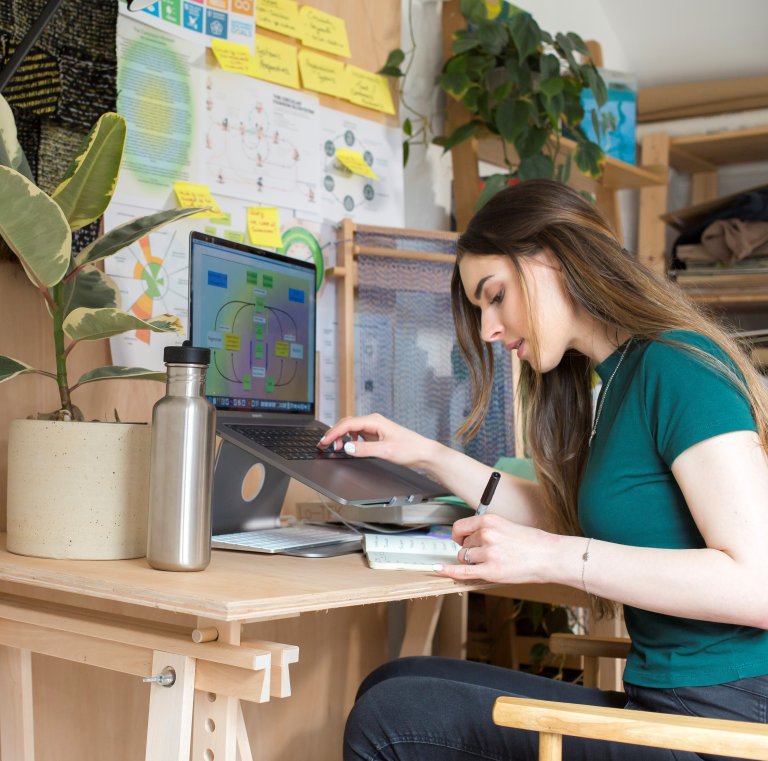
[(701, 156)]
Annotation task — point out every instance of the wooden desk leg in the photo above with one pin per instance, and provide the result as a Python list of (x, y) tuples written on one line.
[(420, 623), (214, 730), (451, 636), (17, 736), (169, 728), (243, 743)]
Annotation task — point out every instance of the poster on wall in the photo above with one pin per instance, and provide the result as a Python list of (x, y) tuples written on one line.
[(369, 197), (261, 143), (200, 20), (159, 81)]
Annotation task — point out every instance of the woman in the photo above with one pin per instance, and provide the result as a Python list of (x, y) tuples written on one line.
[(658, 501)]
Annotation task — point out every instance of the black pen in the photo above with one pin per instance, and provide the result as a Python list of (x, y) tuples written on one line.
[(490, 488)]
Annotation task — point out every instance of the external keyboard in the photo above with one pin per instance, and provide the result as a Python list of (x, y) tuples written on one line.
[(289, 442), (283, 538)]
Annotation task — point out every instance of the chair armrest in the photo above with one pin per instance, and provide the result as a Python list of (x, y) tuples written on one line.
[(589, 646), (718, 736)]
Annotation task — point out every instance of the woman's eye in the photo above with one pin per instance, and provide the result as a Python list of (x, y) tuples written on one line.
[(497, 299)]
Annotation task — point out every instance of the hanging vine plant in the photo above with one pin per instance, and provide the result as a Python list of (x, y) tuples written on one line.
[(520, 84)]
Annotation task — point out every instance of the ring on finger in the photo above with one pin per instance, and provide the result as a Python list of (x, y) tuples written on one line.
[(466, 556)]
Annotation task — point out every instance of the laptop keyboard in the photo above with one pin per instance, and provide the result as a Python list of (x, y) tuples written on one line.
[(289, 442), (283, 538)]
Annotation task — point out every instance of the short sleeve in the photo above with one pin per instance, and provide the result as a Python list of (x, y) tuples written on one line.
[(688, 399)]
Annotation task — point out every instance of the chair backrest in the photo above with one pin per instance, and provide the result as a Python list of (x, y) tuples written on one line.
[(552, 721)]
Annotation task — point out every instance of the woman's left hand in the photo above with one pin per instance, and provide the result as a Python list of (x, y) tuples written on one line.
[(496, 549)]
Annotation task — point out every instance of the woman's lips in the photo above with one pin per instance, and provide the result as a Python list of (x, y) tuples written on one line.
[(516, 346)]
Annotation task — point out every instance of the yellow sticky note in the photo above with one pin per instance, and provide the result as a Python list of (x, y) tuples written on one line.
[(355, 162), (322, 74), (322, 31), (232, 56), (231, 342), (190, 195), (264, 227), (279, 16), (276, 62), (368, 89)]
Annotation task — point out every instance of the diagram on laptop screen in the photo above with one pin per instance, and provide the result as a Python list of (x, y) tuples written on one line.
[(257, 322)]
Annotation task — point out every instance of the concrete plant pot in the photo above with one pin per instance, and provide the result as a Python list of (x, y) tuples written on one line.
[(78, 490)]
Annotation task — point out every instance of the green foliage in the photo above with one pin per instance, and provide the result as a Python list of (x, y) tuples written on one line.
[(83, 302), (521, 84)]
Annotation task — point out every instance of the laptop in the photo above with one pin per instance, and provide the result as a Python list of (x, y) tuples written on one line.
[(256, 311)]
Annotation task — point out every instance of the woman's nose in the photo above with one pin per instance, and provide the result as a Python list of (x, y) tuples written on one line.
[(490, 328)]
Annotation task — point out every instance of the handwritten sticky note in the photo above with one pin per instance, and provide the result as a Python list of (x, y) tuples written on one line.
[(369, 90), (279, 16), (232, 56), (190, 195), (321, 74), (276, 62), (322, 31), (264, 227), (355, 162)]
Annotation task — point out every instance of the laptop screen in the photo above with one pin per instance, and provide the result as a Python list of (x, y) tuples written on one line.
[(256, 312)]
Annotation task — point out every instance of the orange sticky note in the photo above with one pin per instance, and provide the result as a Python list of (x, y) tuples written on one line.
[(264, 226)]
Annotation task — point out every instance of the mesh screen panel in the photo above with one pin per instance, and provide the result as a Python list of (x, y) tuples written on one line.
[(408, 364)]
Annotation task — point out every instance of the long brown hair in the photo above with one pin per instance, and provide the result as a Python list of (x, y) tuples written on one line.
[(610, 285)]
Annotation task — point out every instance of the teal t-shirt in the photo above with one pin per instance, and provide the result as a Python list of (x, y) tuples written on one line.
[(663, 400)]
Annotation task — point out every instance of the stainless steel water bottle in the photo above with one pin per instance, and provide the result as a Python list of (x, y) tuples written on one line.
[(181, 465)]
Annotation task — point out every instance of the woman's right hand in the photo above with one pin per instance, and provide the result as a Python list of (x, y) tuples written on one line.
[(376, 436)]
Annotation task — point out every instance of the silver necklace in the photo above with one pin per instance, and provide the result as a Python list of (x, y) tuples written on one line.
[(605, 392)]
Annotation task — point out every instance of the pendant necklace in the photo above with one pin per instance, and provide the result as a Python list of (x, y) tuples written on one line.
[(605, 392)]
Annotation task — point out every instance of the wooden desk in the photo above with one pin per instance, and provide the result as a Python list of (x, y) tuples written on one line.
[(124, 617)]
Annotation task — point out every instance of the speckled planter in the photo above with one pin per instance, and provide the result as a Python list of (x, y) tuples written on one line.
[(78, 490)]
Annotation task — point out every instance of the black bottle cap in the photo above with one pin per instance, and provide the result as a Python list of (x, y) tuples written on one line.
[(186, 354)]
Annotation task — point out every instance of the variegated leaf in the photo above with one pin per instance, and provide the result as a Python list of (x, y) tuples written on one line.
[(35, 228), (10, 368), (91, 324), (129, 232), (118, 371), (88, 185), (11, 154), (91, 288)]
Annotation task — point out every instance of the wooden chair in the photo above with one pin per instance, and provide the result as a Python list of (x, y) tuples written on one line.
[(590, 649), (553, 720)]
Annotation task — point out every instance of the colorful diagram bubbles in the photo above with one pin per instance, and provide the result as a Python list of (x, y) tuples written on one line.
[(230, 341), (347, 187)]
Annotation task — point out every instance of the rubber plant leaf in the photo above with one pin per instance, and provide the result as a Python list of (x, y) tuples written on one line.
[(11, 153), (10, 368), (118, 371), (35, 229), (91, 288), (129, 232), (90, 179), (84, 324)]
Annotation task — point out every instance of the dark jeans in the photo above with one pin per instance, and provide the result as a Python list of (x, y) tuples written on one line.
[(430, 708)]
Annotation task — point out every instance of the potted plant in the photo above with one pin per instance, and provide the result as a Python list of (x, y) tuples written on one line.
[(75, 489), (517, 83)]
